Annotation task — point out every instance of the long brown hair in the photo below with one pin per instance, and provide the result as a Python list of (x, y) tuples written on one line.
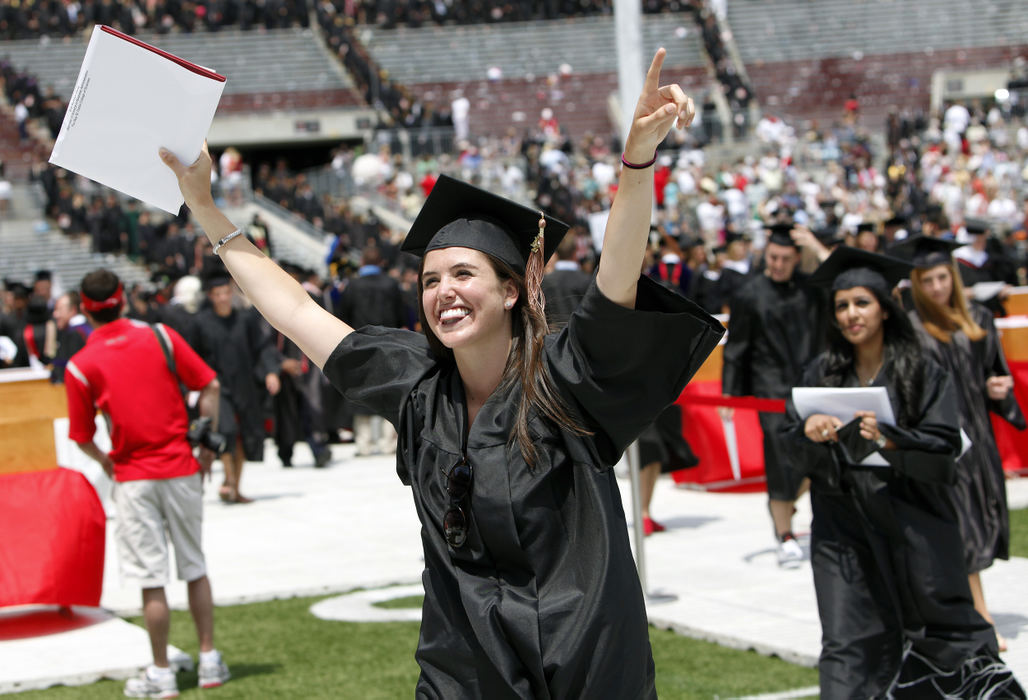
[(942, 320), (525, 363)]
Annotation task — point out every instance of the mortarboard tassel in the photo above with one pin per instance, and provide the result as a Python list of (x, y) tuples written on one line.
[(534, 270)]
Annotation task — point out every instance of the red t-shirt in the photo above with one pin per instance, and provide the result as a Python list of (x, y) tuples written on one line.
[(123, 372)]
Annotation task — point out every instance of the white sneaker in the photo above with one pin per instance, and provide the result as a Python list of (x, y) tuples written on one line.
[(790, 554), (213, 673), (151, 684)]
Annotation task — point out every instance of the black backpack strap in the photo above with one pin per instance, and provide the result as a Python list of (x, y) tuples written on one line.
[(169, 356)]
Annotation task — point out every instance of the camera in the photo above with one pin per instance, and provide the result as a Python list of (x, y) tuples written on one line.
[(200, 434)]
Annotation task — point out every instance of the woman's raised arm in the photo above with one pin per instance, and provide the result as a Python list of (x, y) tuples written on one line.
[(624, 242), (281, 300)]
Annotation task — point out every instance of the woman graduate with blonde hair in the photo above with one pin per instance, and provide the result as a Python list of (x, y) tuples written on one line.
[(960, 336)]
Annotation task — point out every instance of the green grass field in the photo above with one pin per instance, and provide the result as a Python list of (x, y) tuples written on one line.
[(279, 650)]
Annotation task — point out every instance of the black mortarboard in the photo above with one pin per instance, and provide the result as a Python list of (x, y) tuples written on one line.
[(829, 235), (867, 226), (462, 215), (896, 220), (216, 280), (849, 267), (976, 227), (778, 233), (924, 251), (733, 236), (43, 275)]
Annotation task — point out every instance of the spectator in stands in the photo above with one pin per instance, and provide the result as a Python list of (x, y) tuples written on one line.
[(158, 482), (482, 320), (235, 344), (897, 615), (775, 327)]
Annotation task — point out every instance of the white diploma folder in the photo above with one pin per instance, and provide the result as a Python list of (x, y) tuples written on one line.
[(129, 100), (843, 403)]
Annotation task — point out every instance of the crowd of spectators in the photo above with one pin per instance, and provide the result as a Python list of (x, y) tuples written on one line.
[(37, 18)]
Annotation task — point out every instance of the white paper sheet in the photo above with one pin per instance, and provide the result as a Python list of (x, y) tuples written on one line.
[(983, 291), (129, 100)]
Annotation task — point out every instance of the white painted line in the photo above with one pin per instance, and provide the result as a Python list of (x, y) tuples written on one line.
[(810, 692)]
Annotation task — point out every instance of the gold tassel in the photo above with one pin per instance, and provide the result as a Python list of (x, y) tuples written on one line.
[(534, 269)]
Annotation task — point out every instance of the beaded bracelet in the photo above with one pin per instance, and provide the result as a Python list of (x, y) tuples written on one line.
[(640, 166), (226, 239)]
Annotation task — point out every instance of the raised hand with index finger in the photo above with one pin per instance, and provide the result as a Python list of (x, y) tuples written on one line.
[(659, 107)]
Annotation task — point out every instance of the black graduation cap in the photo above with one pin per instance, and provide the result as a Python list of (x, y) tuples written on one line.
[(829, 235), (925, 251), (867, 226), (458, 214), (779, 233), (896, 220), (14, 285), (849, 267), (733, 236), (43, 275), (977, 227), (216, 279)]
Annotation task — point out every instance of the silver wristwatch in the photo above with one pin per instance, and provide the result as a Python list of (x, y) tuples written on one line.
[(880, 441)]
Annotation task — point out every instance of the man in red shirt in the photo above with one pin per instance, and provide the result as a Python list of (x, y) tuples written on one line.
[(123, 371)]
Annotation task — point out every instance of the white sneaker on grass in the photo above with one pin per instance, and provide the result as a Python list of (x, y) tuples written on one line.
[(790, 553), (213, 672), (152, 683)]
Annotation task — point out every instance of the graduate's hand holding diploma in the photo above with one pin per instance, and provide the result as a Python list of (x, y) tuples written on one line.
[(821, 428)]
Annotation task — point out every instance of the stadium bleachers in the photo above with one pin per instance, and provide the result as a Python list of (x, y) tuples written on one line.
[(278, 69)]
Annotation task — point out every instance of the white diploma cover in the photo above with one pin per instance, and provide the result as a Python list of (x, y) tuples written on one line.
[(129, 100)]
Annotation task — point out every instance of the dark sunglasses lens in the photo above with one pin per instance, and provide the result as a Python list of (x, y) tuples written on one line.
[(459, 480), (455, 527)]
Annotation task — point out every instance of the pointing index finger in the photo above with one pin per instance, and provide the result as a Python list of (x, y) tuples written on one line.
[(653, 74)]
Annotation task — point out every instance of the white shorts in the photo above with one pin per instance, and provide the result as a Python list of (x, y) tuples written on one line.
[(147, 510)]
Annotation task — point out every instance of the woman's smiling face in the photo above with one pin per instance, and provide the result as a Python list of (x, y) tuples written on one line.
[(463, 298), (858, 314)]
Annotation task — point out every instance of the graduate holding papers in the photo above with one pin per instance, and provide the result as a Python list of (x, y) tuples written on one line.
[(896, 611)]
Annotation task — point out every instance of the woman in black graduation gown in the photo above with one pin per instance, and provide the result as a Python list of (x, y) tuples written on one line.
[(896, 611), (507, 435), (961, 337)]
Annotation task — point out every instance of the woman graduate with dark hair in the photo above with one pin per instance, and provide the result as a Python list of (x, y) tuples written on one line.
[(896, 611), (961, 337), (508, 434)]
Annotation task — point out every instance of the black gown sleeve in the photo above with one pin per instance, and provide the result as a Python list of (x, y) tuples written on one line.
[(620, 367), (812, 459), (996, 366), (377, 368), (735, 368), (928, 450)]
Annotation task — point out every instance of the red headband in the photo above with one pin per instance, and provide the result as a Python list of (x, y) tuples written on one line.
[(110, 302)]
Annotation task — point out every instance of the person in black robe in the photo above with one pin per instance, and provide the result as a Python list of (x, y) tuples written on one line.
[(961, 337), (736, 269), (564, 285), (897, 616), (236, 346), (985, 259), (775, 327), (508, 436)]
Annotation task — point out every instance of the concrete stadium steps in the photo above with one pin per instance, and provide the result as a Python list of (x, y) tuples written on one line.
[(255, 62), (581, 108), (817, 89), (789, 30), (522, 50), (26, 250)]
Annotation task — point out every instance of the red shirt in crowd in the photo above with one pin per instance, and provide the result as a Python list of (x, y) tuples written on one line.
[(123, 372)]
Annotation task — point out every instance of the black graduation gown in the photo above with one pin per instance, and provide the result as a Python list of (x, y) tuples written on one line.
[(239, 349), (543, 600), (896, 611), (774, 329), (980, 489)]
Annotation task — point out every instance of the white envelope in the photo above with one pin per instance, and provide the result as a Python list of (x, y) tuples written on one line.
[(129, 100)]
